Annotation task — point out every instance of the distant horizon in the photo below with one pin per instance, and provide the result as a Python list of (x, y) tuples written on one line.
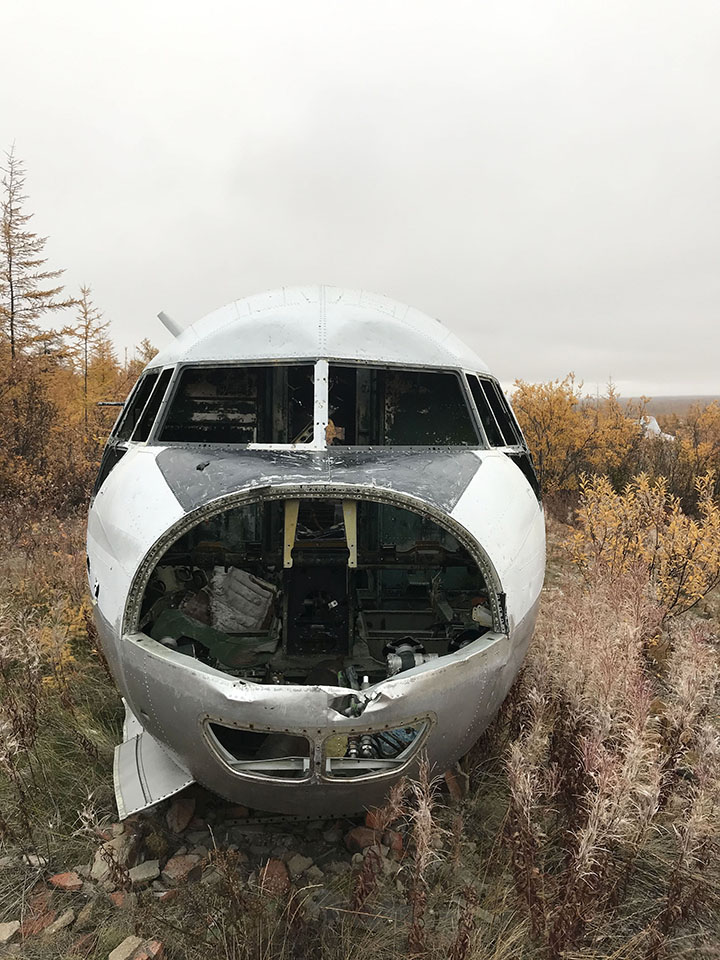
[(628, 390)]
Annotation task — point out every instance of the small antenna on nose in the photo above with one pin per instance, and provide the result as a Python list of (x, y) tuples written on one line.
[(172, 325)]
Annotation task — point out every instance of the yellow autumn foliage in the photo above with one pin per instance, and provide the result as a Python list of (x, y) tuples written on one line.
[(645, 526), (569, 433)]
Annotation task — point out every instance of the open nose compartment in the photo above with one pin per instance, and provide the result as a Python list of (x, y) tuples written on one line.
[(317, 592)]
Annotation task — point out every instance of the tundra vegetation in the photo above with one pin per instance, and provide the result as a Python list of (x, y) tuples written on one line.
[(584, 824)]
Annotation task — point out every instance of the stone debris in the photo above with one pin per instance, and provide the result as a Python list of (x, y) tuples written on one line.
[(181, 869), (121, 850), (126, 949), (180, 813), (393, 840), (149, 950), (164, 895), (35, 860), (314, 874), (69, 881), (85, 916), (65, 919), (361, 837), (8, 931), (298, 864), (145, 873), (274, 878)]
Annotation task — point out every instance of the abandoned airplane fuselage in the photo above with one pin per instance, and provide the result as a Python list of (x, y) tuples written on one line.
[(315, 553)]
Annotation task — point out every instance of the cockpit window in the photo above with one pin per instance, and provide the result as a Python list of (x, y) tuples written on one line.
[(495, 414), (147, 419), (249, 404), (135, 405), (389, 407)]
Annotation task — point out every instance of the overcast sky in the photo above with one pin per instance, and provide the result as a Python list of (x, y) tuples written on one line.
[(542, 176)]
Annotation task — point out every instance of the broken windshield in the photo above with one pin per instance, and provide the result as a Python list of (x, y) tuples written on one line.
[(398, 407), (249, 404)]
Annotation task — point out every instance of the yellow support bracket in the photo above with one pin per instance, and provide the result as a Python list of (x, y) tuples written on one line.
[(350, 520), (292, 508)]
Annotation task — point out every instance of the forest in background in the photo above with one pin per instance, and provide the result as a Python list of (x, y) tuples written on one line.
[(590, 824)]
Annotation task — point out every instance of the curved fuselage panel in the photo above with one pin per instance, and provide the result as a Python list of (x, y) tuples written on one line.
[(155, 495)]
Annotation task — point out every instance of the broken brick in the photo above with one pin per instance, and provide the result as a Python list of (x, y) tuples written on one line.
[(181, 869), (359, 838), (69, 881)]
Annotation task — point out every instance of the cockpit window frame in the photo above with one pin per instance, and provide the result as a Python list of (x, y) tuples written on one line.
[(319, 441), (173, 386)]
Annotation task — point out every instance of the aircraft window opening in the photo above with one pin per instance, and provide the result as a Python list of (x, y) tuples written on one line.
[(494, 412), (241, 404), (136, 404), (376, 406), (317, 591), (147, 418), (282, 756), (501, 410), (492, 431)]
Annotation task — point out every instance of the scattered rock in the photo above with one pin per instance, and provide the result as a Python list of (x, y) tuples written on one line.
[(314, 874), (210, 878), (35, 860), (117, 829), (84, 918), (100, 869), (126, 949), (164, 895), (8, 931), (197, 823), (65, 919), (145, 873), (119, 898), (360, 837), (121, 850), (298, 864), (7, 862), (274, 878), (200, 851), (393, 840), (149, 950), (69, 881), (181, 869), (338, 868), (181, 812)]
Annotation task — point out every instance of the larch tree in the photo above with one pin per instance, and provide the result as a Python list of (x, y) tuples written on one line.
[(88, 340), (27, 288)]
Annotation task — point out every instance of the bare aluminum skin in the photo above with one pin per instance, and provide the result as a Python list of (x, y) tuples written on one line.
[(156, 492)]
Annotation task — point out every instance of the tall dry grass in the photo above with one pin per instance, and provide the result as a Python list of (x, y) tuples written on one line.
[(591, 829)]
